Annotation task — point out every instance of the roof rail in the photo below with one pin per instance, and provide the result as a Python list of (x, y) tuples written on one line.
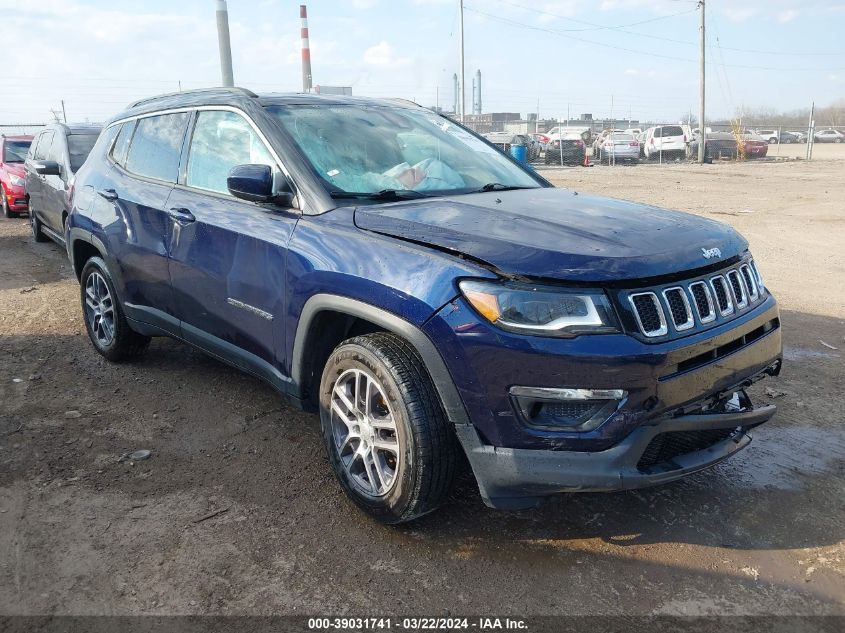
[(244, 91), (402, 101)]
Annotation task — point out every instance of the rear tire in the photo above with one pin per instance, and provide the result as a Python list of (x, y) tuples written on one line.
[(388, 439), (104, 319), (35, 225)]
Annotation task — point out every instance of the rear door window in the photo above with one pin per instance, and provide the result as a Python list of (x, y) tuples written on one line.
[(156, 146), (672, 130), (78, 147), (221, 140)]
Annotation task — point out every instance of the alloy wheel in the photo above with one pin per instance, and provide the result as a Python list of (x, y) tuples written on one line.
[(99, 309), (364, 432)]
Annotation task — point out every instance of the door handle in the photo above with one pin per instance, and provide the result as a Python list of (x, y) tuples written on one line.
[(181, 214), (108, 194)]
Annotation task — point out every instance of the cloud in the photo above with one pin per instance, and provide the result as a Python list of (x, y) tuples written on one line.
[(561, 8), (740, 15), (632, 71), (788, 15), (364, 4), (382, 55)]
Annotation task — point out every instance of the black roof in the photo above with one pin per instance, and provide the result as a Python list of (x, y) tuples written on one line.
[(239, 96)]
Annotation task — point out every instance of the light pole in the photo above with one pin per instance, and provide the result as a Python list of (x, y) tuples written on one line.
[(463, 74), (702, 135)]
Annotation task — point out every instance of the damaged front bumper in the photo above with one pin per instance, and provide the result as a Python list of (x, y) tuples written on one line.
[(667, 450)]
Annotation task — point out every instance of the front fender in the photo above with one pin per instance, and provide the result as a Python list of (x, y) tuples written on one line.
[(318, 303)]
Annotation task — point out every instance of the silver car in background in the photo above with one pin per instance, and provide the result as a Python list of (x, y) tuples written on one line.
[(617, 147)]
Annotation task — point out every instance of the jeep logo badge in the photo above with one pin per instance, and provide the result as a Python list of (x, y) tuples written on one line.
[(709, 253)]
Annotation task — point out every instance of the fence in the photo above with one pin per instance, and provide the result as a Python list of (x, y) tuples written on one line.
[(19, 129)]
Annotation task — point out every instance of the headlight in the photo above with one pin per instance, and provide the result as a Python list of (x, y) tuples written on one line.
[(17, 181), (541, 310)]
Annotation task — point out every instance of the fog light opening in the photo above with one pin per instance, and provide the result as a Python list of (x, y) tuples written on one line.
[(565, 409)]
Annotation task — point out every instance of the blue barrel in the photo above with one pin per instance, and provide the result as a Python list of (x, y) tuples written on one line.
[(519, 152)]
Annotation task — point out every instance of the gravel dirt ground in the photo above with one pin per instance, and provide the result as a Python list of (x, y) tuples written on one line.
[(84, 533)]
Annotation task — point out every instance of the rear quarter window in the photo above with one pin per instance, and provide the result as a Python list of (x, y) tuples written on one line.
[(157, 146), (121, 145)]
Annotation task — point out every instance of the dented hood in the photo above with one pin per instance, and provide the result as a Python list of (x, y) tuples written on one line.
[(558, 234)]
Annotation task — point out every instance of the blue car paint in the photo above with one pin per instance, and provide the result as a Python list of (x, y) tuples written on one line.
[(231, 255), (405, 259), (485, 362), (558, 234), (328, 254)]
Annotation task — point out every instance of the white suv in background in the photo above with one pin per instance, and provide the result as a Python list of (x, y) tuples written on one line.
[(668, 140), (770, 135)]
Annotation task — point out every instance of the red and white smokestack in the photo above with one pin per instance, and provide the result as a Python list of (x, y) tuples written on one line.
[(306, 50)]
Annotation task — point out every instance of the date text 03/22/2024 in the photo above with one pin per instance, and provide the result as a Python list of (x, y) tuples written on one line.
[(417, 624)]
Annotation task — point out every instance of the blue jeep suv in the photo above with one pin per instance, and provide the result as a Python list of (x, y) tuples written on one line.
[(427, 294)]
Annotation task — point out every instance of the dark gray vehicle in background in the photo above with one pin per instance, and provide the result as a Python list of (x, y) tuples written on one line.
[(56, 154)]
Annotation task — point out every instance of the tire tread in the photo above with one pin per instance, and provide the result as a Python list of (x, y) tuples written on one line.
[(128, 344), (435, 444)]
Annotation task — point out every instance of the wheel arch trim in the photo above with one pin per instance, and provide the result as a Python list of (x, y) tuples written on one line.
[(443, 383), (75, 235)]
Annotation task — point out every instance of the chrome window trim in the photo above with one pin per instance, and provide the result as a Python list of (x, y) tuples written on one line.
[(711, 315), (690, 322), (226, 108), (728, 294), (664, 329)]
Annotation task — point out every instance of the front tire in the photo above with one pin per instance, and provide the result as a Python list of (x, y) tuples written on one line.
[(104, 320), (387, 437), (7, 212), (35, 225)]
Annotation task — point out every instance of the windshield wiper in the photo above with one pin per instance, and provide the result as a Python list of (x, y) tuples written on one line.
[(497, 186), (384, 194)]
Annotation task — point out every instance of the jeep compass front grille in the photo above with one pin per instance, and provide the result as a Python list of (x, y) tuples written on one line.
[(699, 302), (649, 313), (723, 295)]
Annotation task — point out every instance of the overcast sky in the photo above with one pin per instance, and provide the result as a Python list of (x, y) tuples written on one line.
[(98, 55)]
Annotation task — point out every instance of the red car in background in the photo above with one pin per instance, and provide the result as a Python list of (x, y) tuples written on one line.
[(13, 150), (753, 145)]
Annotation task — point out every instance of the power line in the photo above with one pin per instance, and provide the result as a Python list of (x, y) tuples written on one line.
[(622, 28), (564, 34), (594, 26)]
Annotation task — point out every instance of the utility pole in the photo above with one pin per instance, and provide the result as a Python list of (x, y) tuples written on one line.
[(463, 74), (224, 44), (811, 131), (64, 112), (702, 137)]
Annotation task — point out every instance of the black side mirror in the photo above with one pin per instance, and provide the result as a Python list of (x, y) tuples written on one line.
[(255, 183), (47, 168)]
